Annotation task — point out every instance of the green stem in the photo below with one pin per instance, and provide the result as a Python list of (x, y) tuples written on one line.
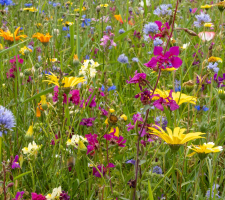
[(33, 183)]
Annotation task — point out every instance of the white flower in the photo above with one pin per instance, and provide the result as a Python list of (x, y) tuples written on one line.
[(148, 3), (185, 45), (75, 140), (31, 149), (55, 193)]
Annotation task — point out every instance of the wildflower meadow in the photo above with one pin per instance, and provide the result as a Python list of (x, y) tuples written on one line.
[(112, 100)]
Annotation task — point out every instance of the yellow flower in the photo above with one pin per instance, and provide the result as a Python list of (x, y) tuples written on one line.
[(1, 47), (111, 110), (69, 23), (30, 131), (39, 25), (42, 38), (25, 50), (81, 146), (9, 36), (206, 148), (215, 59), (124, 117), (32, 9), (172, 40), (208, 25), (31, 149), (117, 132), (104, 5), (107, 121), (206, 6), (180, 98), (176, 137), (78, 9)]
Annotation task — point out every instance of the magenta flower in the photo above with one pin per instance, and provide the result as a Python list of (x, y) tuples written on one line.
[(139, 78), (163, 30), (55, 96), (53, 141), (121, 141), (102, 169), (104, 112), (75, 99), (15, 163), (87, 122), (107, 41), (92, 143), (162, 61), (36, 196), (13, 61), (19, 195)]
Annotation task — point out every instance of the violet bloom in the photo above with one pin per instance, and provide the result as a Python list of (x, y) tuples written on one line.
[(93, 143), (137, 117), (87, 122), (16, 58), (55, 96), (131, 162), (219, 80), (168, 60), (64, 196), (104, 112), (53, 141), (121, 141), (108, 41), (75, 99), (139, 78), (91, 105), (15, 163), (36, 196), (102, 169), (163, 30), (19, 195)]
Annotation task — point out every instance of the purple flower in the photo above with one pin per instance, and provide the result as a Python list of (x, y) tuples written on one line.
[(122, 59), (121, 141), (137, 117), (15, 163), (87, 122), (36, 196), (75, 99), (102, 169), (53, 141), (92, 143), (131, 162), (104, 112), (19, 195), (168, 60), (157, 170), (55, 96), (139, 78), (64, 196)]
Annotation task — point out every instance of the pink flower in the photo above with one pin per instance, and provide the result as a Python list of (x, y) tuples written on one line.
[(56, 91), (206, 36), (75, 99), (168, 60), (36, 196), (102, 169), (15, 163)]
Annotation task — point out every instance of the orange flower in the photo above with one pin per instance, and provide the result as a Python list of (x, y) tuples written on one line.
[(10, 36), (42, 38), (119, 18), (38, 110)]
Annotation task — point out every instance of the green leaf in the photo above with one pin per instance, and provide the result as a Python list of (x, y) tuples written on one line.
[(123, 35), (142, 162), (21, 175), (150, 194), (39, 94)]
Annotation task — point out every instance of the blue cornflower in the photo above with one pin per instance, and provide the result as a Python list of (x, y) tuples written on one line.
[(177, 86), (213, 66), (112, 88), (28, 4), (157, 170), (122, 58), (87, 57), (201, 19), (86, 22), (214, 187), (135, 60), (6, 2), (68, 35), (56, 4), (204, 108), (30, 47), (121, 31), (103, 88), (108, 28), (151, 27), (65, 28), (157, 42), (132, 161), (7, 120), (39, 58), (163, 10)]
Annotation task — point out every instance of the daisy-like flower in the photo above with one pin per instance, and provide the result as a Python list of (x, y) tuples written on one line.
[(176, 138), (209, 25), (55, 194), (77, 141), (206, 6), (104, 5), (44, 39), (32, 9), (185, 46), (88, 68), (205, 149), (65, 82), (78, 9), (31, 149), (7, 35), (215, 59)]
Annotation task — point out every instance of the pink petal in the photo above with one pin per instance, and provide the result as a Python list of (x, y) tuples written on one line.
[(174, 51), (176, 62), (157, 50), (206, 36)]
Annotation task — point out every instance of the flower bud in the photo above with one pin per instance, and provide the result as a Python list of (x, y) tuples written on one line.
[(190, 32), (189, 86), (109, 82), (174, 147), (37, 66), (221, 94), (27, 72), (98, 8), (221, 6)]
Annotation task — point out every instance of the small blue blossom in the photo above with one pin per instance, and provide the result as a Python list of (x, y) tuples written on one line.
[(163, 10), (122, 58), (65, 28), (204, 108), (39, 58), (112, 88), (214, 189), (28, 4), (151, 27), (30, 47), (121, 31), (86, 22), (6, 2), (103, 88), (108, 28), (157, 42), (87, 57), (7, 120), (132, 161), (177, 86), (157, 170), (135, 60), (213, 66), (201, 19)]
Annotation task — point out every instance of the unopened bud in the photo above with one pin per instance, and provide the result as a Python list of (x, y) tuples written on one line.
[(98, 8)]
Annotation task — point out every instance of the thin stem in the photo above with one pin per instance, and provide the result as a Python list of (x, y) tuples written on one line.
[(196, 182), (107, 150)]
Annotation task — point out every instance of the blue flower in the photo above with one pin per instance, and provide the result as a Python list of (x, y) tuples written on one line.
[(157, 170), (28, 4), (87, 57), (7, 120), (132, 161), (214, 189), (213, 66), (86, 22), (108, 28), (121, 31), (163, 10), (122, 58), (135, 60), (204, 108), (157, 42), (6, 2), (112, 88), (151, 27), (103, 88), (39, 58), (65, 28), (201, 19), (68, 35), (30, 47)]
